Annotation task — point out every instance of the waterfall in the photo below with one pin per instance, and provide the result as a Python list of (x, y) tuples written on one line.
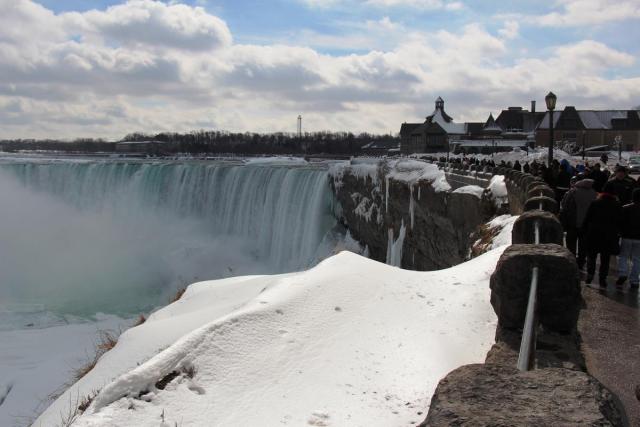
[(276, 218)]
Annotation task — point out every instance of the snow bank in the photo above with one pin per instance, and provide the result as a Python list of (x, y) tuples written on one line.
[(412, 171), (471, 189), (498, 189), (349, 342), (504, 223)]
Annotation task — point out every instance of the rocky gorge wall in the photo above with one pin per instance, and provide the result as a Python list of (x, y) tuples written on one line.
[(406, 213)]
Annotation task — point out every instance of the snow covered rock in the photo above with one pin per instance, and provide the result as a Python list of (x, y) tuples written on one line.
[(405, 212), (349, 342)]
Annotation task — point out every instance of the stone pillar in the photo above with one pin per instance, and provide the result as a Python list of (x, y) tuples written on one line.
[(559, 296), (541, 202), (548, 225), (541, 190)]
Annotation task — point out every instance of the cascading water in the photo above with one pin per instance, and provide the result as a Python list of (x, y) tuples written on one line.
[(120, 236)]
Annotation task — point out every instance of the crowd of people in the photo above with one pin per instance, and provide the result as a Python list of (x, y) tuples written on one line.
[(601, 217), (599, 211)]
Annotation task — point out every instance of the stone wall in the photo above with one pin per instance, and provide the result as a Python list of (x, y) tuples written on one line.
[(558, 391), (377, 209)]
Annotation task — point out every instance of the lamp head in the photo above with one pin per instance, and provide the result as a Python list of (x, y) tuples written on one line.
[(550, 99)]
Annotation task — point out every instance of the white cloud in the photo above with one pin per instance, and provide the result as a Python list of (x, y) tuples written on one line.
[(452, 5), (510, 30), (590, 12), (152, 23), (69, 75)]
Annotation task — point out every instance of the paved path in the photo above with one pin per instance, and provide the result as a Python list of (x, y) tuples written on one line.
[(610, 329)]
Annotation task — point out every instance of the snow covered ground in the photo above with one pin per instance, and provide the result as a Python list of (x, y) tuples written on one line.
[(350, 342), (39, 361)]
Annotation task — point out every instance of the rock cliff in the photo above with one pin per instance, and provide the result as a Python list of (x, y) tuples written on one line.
[(406, 213)]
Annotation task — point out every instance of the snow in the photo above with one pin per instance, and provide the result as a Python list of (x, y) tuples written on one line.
[(411, 171), (362, 168), (36, 362), (505, 224), (498, 190), (349, 342), (271, 161), (471, 189)]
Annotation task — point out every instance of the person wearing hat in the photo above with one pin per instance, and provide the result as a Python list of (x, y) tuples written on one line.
[(623, 185), (630, 243), (602, 231)]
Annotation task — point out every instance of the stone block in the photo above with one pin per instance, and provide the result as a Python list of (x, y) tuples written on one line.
[(559, 297), (543, 203), (541, 190), (549, 227), (497, 395)]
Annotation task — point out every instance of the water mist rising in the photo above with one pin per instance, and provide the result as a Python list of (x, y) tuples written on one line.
[(119, 237)]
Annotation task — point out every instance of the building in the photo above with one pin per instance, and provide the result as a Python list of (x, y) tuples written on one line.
[(433, 135), (583, 129), (514, 127)]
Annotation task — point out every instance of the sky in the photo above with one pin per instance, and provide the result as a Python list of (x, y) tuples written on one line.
[(77, 68)]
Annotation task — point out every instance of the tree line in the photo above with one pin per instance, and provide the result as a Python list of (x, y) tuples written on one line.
[(219, 142)]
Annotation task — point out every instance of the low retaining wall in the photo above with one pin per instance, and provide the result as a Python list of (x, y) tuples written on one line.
[(559, 391)]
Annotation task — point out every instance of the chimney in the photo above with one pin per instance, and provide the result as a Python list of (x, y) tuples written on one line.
[(533, 106)]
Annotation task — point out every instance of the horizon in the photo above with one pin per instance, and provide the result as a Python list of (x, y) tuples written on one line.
[(105, 69)]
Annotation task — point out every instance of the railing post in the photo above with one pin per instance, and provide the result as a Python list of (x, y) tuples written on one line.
[(526, 358)]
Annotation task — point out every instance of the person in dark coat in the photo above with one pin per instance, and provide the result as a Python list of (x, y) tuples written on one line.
[(573, 210), (517, 166), (526, 168), (602, 231), (598, 176), (623, 185), (630, 243)]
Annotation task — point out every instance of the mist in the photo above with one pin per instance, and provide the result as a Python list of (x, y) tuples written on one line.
[(83, 261)]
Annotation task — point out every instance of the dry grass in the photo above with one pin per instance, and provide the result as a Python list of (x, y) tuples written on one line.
[(482, 238), (76, 408), (140, 321), (178, 295), (106, 341)]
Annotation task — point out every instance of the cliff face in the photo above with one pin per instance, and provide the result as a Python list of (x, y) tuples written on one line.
[(406, 214)]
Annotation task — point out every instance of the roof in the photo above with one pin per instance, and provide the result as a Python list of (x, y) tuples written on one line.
[(518, 118), (490, 143), (596, 119), (491, 125), (408, 128), (440, 117)]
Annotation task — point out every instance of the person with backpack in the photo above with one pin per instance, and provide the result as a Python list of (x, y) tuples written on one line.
[(630, 243), (602, 232)]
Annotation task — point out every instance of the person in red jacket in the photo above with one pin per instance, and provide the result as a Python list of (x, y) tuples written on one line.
[(602, 227)]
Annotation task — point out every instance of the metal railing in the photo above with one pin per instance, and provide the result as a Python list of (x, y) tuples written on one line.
[(526, 357)]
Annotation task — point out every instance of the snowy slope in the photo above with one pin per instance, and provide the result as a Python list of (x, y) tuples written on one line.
[(350, 342)]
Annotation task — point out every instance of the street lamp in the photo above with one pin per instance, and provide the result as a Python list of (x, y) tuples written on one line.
[(550, 100)]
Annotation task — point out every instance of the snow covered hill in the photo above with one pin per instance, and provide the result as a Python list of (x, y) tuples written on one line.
[(351, 342)]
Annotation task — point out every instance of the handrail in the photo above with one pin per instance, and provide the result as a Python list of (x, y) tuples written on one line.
[(526, 357), (528, 344)]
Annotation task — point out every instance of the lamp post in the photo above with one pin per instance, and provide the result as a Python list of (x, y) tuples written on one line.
[(550, 100)]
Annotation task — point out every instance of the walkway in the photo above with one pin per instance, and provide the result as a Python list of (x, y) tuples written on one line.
[(610, 329)]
